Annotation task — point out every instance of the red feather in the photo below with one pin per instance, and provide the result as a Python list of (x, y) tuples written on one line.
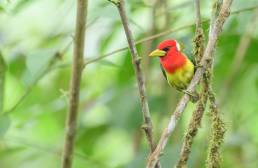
[(174, 59)]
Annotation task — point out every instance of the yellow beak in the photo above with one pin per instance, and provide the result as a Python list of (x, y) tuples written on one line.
[(157, 53)]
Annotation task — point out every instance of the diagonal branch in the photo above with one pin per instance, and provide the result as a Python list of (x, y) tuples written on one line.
[(77, 65), (197, 115), (207, 57), (147, 126)]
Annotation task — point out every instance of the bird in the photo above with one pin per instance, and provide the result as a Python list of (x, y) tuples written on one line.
[(176, 67)]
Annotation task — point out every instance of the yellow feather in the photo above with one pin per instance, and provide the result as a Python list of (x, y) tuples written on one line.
[(182, 76)]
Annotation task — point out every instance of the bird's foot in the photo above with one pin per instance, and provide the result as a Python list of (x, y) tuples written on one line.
[(145, 126), (198, 66), (194, 96)]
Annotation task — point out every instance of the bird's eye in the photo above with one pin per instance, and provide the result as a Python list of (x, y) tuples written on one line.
[(165, 49)]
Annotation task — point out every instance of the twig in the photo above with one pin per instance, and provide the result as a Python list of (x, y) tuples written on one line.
[(216, 6), (197, 115), (213, 36), (198, 20), (77, 65), (2, 82), (193, 127), (163, 33), (218, 130), (199, 34), (147, 126)]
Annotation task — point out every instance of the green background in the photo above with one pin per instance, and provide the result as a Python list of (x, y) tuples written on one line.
[(109, 133)]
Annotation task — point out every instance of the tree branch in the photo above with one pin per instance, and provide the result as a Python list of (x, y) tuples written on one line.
[(77, 65), (207, 57), (218, 130), (199, 34), (197, 115), (147, 126)]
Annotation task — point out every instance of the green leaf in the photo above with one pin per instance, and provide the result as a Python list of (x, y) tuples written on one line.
[(126, 72)]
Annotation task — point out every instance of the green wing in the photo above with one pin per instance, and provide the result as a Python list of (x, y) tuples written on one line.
[(163, 72)]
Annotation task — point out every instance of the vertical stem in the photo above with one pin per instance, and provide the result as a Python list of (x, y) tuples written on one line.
[(147, 126), (77, 66), (218, 127), (198, 20), (2, 82), (199, 35), (197, 115), (139, 75), (216, 5)]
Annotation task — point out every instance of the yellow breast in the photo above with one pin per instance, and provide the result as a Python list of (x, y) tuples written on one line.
[(182, 76)]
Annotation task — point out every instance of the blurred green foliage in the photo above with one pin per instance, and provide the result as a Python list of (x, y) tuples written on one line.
[(109, 133)]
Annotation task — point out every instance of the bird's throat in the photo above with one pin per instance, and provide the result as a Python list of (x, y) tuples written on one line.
[(172, 61)]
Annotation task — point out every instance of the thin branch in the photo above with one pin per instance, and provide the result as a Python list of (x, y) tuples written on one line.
[(198, 20), (218, 128), (213, 36), (163, 33), (197, 115), (147, 126), (199, 34), (2, 82), (193, 127), (216, 6), (77, 65), (218, 131), (139, 74)]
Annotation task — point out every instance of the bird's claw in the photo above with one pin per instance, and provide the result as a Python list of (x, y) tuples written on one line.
[(198, 66), (194, 96), (144, 126), (138, 60)]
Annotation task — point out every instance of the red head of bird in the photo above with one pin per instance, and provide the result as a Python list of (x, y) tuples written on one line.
[(171, 57)]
